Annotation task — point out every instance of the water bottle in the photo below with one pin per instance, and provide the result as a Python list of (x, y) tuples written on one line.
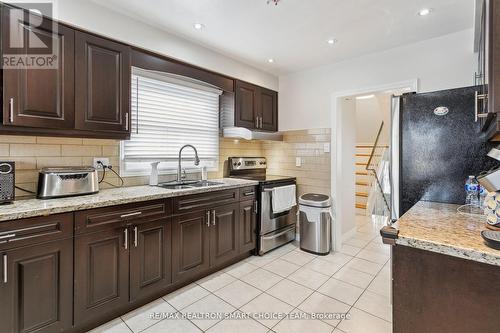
[(482, 196), (472, 191)]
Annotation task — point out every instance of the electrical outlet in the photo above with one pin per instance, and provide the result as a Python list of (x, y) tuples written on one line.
[(326, 147), (103, 160), (298, 161)]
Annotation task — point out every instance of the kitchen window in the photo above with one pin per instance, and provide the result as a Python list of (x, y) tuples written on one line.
[(169, 111)]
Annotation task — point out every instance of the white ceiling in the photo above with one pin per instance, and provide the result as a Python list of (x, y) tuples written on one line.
[(295, 32)]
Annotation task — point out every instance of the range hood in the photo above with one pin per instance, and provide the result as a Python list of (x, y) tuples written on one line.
[(228, 130), (246, 134)]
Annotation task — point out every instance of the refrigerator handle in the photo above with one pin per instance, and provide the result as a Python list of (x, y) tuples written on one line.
[(478, 97)]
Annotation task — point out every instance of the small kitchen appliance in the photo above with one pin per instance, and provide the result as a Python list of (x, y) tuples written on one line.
[(60, 182), (490, 180), (274, 228), (7, 182)]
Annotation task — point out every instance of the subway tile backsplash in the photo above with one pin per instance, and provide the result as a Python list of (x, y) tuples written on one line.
[(33, 153)]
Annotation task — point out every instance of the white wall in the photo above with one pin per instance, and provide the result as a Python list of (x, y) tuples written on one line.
[(369, 115), (343, 167), (439, 63), (90, 16)]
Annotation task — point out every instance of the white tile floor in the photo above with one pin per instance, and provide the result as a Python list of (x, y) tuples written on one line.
[(285, 281)]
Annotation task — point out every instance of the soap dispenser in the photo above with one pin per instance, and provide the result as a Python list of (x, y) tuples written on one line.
[(153, 179)]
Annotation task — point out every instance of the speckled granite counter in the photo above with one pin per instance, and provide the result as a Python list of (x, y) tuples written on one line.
[(109, 197), (439, 228)]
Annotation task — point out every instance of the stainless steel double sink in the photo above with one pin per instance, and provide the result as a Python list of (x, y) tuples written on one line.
[(185, 184)]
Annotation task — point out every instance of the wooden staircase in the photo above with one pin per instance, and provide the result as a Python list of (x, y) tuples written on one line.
[(363, 177)]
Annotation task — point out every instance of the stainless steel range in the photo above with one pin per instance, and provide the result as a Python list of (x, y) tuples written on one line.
[(273, 229)]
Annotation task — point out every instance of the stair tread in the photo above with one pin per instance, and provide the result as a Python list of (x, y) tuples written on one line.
[(361, 194), (361, 206), (362, 183), (362, 173)]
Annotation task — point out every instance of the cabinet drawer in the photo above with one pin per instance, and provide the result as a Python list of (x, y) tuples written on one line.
[(201, 201), (35, 230), (116, 216), (248, 193)]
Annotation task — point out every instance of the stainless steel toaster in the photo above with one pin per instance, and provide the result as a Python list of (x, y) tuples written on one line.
[(67, 181)]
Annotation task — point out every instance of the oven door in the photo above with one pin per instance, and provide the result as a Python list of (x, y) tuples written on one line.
[(269, 221)]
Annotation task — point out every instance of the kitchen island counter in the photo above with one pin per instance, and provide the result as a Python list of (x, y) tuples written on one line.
[(439, 228)]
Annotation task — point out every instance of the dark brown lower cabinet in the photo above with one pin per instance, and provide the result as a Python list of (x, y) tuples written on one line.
[(150, 258), (439, 293), (36, 288), (190, 245), (101, 273), (224, 234), (248, 220)]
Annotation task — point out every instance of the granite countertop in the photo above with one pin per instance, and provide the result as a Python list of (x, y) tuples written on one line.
[(108, 197), (440, 228)]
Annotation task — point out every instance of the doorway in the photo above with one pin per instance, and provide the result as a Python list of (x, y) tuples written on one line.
[(357, 118)]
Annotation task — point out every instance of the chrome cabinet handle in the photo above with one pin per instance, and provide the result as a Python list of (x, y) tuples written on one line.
[(7, 237), (136, 237), (247, 194), (256, 122), (126, 121), (478, 97), (255, 207), (124, 216), (213, 217), (125, 244), (11, 110), (5, 259), (260, 122), (208, 218)]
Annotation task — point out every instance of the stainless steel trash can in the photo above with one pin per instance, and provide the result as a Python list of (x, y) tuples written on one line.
[(315, 223)]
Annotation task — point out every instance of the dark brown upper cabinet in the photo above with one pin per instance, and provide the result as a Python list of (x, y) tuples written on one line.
[(34, 97), (268, 110), (487, 76), (246, 101), (256, 108), (103, 72)]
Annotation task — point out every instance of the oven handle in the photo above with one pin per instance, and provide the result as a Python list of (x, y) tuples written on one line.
[(277, 235)]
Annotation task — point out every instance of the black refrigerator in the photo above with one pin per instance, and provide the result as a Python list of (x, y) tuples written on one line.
[(440, 145)]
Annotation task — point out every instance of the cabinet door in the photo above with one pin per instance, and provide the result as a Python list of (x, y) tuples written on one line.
[(190, 245), (103, 84), (150, 258), (39, 97), (101, 273), (246, 104), (224, 234), (248, 219), (36, 289), (268, 110)]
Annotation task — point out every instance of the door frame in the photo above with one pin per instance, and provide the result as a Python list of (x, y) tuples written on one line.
[(337, 153)]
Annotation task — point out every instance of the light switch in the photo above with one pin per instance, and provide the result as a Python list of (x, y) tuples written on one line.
[(298, 161), (326, 147)]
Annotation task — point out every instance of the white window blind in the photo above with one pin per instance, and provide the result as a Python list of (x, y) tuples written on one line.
[(168, 112)]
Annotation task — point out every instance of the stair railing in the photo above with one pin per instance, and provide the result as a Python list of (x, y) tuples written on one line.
[(373, 168)]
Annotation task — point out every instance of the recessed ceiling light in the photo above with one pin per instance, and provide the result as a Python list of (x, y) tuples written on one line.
[(270, 60), (365, 97), (198, 26), (332, 41), (424, 11)]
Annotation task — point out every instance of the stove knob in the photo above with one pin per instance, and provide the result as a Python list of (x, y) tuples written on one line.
[(239, 163)]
